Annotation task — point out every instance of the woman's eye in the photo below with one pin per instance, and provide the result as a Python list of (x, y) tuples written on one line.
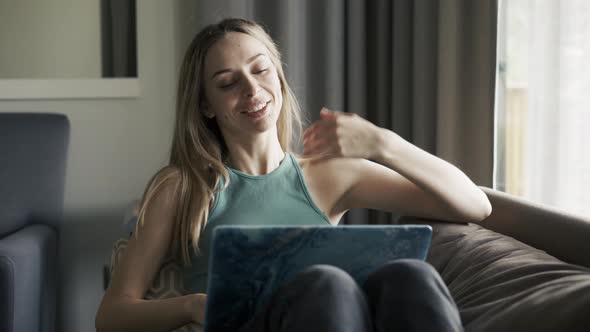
[(226, 86), (261, 71)]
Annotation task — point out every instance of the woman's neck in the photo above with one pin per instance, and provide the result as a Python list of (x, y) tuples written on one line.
[(256, 159)]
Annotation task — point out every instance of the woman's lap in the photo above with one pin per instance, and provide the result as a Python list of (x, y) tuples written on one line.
[(404, 294)]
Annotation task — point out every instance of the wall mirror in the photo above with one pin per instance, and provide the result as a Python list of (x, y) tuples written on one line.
[(68, 49)]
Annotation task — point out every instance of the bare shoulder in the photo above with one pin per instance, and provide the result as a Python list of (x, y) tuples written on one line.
[(169, 176), (163, 190), (328, 180), (148, 246)]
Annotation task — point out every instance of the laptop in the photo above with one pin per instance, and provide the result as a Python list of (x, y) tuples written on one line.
[(248, 263)]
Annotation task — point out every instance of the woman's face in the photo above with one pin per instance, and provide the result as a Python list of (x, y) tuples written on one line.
[(242, 87)]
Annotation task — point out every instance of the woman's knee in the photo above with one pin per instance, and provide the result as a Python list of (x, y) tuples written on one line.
[(403, 274), (321, 276), (302, 303), (321, 283)]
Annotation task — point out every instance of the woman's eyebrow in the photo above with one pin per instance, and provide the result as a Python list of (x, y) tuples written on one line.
[(227, 69)]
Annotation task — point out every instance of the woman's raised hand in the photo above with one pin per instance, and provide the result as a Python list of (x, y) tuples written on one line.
[(339, 134)]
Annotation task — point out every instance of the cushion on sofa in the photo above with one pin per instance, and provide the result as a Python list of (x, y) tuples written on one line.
[(166, 284), (501, 284)]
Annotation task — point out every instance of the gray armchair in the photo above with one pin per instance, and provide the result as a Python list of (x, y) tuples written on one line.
[(33, 151)]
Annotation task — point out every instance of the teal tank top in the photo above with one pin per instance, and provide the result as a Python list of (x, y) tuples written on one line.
[(278, 198)]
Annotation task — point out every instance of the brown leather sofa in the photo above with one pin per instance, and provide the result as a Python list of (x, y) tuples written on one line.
[(524, 268)]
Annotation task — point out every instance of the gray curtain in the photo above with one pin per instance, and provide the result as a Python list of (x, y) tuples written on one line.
[(424, 69), (118, 38)]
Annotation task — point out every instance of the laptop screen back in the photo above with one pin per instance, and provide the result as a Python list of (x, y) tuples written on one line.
[(248, 263)]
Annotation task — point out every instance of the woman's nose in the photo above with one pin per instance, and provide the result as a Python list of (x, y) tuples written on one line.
[(251, 86)]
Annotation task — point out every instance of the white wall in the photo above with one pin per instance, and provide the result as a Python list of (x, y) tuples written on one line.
[(50, 39), (115, 147)]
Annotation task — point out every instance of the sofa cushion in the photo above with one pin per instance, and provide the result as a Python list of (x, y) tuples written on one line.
[(166, 284), (501, 284)]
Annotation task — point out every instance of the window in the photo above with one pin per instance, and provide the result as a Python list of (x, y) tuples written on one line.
[(543, 102)]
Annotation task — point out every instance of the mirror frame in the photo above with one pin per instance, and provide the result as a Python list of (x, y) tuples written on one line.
[(26, 89), (72, 88)]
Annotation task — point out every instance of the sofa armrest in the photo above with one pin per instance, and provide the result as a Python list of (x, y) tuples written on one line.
[(29, 276), (6, 293), (559, 233)]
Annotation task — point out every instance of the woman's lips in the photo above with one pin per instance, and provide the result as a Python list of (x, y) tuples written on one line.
[(258, 114)]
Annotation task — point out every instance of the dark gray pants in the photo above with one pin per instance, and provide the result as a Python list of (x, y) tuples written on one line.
[(404, 295)]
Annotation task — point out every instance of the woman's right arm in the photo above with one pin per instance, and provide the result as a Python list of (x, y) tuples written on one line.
[(123, 307)]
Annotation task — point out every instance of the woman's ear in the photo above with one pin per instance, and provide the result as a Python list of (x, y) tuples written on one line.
[(208, 114), (206, 110)]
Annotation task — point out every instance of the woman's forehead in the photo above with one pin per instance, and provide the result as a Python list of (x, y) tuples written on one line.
[(233, 49)]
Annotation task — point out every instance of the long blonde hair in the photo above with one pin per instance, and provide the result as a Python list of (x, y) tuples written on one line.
[(199, 152)]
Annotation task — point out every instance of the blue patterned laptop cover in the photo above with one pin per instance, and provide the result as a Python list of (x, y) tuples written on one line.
[(247, 263)]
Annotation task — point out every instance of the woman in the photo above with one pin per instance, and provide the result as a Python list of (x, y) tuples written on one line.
[(231, 157)]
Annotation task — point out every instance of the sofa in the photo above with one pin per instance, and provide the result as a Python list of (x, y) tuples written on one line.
[(524, 268), (33, 153)]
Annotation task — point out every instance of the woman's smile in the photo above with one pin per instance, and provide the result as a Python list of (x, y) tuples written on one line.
[(259, 111)]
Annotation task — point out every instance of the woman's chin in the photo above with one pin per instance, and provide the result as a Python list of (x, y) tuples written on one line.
[(267, 120)]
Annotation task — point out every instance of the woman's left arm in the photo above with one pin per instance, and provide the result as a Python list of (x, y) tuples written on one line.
[(403, 178)]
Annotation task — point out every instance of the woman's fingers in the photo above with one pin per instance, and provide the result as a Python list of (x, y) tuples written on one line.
[(309, 131), (320, 130), (319, 126), (342, 135), (320, 147), (312, 146)]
